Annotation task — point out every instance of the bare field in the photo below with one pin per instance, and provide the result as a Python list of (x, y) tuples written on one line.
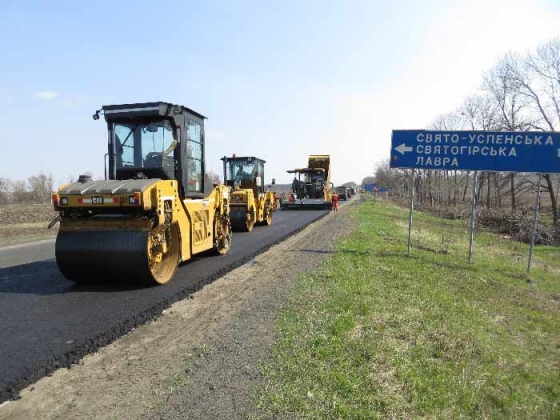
[(23, 223)]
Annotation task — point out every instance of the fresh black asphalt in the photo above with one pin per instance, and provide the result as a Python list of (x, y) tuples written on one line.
[(48, 322)]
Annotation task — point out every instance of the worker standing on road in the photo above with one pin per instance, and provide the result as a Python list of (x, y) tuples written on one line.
[(335, 199)]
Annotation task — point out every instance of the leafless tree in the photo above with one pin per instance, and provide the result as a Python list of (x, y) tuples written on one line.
[(211, 179), (479, 112), (20, 194), (41, 187), (5, 191), (520, 93), (537, 78), (512, 112)]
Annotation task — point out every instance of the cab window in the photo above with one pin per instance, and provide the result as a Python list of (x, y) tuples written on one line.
[(195, 181)]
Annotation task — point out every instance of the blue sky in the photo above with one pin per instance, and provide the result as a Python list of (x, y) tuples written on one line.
[(278, 80)]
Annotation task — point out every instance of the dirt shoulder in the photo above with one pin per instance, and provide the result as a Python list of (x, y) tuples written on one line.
[(201, 358), (26, 223)]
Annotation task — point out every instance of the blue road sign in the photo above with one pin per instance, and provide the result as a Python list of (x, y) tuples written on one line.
[(384, 189), (369, 187), (502, 151)]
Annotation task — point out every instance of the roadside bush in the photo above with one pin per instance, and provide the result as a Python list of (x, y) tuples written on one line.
[(518, 226)]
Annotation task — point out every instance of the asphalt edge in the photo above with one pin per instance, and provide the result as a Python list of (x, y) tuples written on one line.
[(72, 356)]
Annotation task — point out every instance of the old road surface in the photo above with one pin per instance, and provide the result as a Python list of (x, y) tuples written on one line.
[(48, 322), (27, 253)]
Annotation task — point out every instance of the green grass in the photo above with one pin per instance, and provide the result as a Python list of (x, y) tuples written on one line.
[(376, 333), (34, 225), (17, 233), (16, 240)]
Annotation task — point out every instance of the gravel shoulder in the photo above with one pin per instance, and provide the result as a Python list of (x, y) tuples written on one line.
[(201, 358)]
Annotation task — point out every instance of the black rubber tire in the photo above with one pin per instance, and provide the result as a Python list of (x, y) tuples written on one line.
[(269, 213)]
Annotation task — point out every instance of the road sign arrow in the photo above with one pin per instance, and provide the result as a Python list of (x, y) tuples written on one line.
[(404, 148)]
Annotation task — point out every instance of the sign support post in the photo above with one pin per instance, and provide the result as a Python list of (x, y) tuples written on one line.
[(535, 223), (473, 214), (411, 210)]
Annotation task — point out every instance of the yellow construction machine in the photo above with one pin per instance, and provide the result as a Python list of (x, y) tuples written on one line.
[(250, 203), (311, 187), (152, 212)]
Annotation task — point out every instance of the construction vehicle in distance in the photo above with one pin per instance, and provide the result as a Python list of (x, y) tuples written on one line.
[(311, 187), (250, 204), (343, 192), (152, 212)]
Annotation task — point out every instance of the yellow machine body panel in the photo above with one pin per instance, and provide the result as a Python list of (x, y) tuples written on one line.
[(250, 203), (201, 213), (135, 215), (259, 207)]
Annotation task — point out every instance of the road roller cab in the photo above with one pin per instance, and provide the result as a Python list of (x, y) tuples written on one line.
[(157, 140), (250, 203), (152, 212)]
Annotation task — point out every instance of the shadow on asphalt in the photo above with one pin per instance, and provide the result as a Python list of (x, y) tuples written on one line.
[(44, 278)]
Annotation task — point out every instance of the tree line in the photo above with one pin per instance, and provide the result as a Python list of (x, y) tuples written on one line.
[(37, 189), (521, 92)]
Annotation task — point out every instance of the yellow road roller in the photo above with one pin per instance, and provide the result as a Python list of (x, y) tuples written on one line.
[(250, 203), (152, 212)]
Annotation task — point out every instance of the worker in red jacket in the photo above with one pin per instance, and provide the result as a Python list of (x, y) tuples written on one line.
[(335, 200)]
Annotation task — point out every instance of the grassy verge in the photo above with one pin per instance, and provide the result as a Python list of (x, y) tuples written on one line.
[(18, 233), (376, 333)]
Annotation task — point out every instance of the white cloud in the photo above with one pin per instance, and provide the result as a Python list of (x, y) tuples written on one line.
[(46, 95)]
